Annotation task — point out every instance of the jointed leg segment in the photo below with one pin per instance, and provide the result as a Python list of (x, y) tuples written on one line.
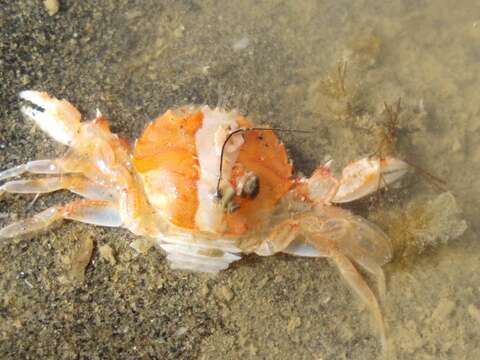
[(35, 167), (94, 212), (357, 283), (47, 167), (279, 239), (75, 183), (345, 239)]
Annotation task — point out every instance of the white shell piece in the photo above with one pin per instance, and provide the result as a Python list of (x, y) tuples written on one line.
[(186, 257)]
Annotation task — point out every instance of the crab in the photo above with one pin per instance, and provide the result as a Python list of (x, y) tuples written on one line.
[(206, 185)]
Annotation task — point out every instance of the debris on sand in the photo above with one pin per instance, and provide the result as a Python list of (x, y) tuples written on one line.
[(141, 245), (52, 6), (474, 312), (106, 252), (225, 294), (79, 259), (293, 324)]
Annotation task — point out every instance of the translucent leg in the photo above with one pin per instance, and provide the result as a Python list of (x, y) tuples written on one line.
[(363, 242), (76, 184), (377, 272), (47, 166), (279, 239), (93, 212), (36, 223), (336, 233), (357, 283)]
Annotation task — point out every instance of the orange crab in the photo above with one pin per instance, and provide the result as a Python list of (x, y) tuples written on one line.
[(207, 186)]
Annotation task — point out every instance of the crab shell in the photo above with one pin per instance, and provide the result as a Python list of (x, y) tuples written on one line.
[(178, 159)]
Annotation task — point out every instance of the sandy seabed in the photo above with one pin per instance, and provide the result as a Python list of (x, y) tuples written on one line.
[(276, 61)]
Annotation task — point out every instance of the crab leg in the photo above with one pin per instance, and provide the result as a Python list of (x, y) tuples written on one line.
[(46, 166), (366, 176), (353, 239), (94, 212), (279, 239), (357, 283), (336, 233), (363, 242), (377, 272), (58, 118), (347, 238), (76, 184)]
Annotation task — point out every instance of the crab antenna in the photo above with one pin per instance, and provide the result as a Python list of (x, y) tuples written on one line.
[(229, 136), (438, 183)]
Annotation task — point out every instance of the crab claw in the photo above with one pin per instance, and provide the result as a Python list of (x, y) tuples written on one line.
[(367, 175), (58, 118)]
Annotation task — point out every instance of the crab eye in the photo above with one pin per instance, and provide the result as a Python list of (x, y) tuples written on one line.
[(248, 185)]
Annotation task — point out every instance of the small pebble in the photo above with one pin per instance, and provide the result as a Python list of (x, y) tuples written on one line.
[(293, 324), (106, 253), (241, 44), (141, 245), (52, 6), (80, 259), (474, 312), (178, 32), (225, 293), (204, 290), (443, 310), (182, 330)]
